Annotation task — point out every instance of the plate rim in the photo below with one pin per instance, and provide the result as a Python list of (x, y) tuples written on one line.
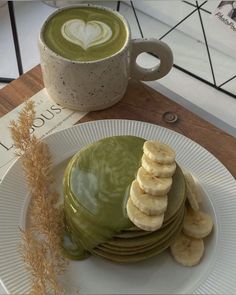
[(125, 122)]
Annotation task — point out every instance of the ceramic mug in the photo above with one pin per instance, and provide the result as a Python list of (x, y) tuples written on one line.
[(89, 85)]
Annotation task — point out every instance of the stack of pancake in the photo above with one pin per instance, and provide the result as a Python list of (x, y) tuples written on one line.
[(96, 188), (135, 244)]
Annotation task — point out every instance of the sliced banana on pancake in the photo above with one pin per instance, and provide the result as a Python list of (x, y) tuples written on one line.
[(159, 170), (153, 185), (186, 250), (159, 152), (142, 220), (191, 196), (148, 204), (193, 187), (197, 224)]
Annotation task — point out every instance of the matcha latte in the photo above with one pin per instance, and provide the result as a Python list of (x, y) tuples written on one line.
[(85, 33), (86, 57)]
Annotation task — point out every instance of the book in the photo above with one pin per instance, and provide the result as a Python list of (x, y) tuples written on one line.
[(50, 117)]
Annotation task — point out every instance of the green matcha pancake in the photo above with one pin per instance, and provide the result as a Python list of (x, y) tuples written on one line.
[(153, 251), (155, 240), (96, 189), (147, 239), (85, 33)]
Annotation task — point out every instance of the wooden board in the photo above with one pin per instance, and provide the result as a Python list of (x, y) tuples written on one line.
[(139, 103)]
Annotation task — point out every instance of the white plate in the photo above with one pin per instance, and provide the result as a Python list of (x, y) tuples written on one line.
[(159, 275)]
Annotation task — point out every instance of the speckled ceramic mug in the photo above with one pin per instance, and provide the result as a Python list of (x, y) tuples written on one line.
[(89, 85)]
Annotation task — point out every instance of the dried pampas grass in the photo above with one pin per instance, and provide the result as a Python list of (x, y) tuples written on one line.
[(41, 246)]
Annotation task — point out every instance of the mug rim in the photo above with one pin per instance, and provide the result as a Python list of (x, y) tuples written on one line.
[(57, 55)]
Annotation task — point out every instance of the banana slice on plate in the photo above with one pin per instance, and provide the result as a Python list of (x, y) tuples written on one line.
[(186, 250), (197, 224), (190, 193), (193, 187), (148, 204), (159, 152), (160, 170), (153, 185), (141, 220)]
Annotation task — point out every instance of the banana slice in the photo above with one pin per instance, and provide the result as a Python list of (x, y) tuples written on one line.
[(141, 220), (159, 152), (148, 204), (193, 186), (190, 194), (153, 185), (187, 251), (159, 170), (197, 224)]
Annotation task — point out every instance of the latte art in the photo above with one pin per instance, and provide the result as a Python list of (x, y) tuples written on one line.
[(86, 34)]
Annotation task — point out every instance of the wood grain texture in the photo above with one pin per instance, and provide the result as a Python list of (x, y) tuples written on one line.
[(19, 90), (139, 103)]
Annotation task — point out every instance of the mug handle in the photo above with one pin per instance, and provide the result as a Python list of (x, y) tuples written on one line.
[(160, 49)]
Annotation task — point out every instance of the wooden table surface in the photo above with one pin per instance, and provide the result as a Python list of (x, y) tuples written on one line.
[(140, 103)]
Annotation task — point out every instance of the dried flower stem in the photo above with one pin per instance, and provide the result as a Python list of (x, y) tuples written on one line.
[(41, 242)]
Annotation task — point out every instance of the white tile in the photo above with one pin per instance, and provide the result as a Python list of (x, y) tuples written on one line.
[(30, 17), (168, 12), (109, 4), (230, 86), (223, 64), (194, 2), (163, 11), (214, 31), (151, 27), (128, 13), (64, 3), (8, 64), (189, 53), (61, 3), (211, 5), (206, 101)]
